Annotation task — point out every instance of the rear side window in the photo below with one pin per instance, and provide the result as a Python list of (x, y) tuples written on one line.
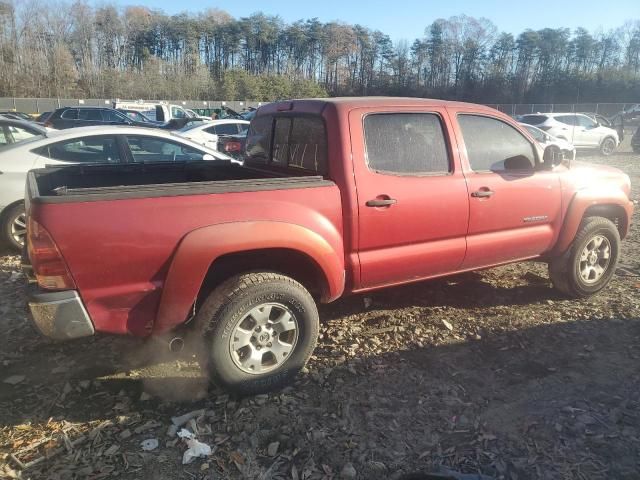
[(567, 119), (406, 143), (493, 145), (96, 149), (534, 119), (71, 114), (226, 129), (288, 141), (90, 114), (154, 149)]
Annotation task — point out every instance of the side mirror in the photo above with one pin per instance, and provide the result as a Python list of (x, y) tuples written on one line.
[(552, 157)]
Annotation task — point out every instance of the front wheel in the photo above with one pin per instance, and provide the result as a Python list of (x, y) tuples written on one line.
[(608, 146), (14, 227), (589, 264), (259, 330)]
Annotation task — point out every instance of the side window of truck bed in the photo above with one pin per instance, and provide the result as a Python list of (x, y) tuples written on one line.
[(494, 146), (288, 141), (406, 144)]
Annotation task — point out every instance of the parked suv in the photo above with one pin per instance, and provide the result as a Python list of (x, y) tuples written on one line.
[(577, 128), (69, 117)]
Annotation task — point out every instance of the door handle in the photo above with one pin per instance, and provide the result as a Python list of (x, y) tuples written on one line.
[(482, 193), (381, 202)]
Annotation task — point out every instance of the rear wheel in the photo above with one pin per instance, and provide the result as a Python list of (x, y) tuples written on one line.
[(14, 227), (259, 330), (589, 264), (608, 146)]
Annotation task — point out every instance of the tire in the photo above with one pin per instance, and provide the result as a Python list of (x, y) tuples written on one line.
[(232, 313), (608, 146), (573, 273), (13, 224)]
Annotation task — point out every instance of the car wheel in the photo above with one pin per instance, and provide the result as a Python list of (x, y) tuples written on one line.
[(259, 330), (608, 146), (14, 227), (589, 264)]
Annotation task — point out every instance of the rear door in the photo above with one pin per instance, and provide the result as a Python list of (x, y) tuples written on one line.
[(515, 205), (88, 117), (412, 197)]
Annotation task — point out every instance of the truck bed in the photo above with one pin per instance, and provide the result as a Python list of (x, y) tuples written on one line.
[(105, 182)]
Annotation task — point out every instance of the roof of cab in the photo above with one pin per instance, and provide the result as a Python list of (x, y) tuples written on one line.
[(348, 103)]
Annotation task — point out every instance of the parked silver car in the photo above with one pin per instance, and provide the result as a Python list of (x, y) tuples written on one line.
[(88, 145)]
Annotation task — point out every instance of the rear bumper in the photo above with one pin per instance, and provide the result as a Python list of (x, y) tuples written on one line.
[(59, 315)]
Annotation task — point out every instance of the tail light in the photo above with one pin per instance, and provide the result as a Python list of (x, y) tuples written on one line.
[(48, 265), (232, 147)]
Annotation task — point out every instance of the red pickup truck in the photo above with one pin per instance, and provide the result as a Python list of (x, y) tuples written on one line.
[(336, 196)]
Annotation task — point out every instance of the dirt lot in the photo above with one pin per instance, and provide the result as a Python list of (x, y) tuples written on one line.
[(489, 373)]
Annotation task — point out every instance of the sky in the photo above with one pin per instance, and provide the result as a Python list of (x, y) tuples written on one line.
[(407, 19)]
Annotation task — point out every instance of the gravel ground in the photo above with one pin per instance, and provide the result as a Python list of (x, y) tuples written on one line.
[(490, 372)]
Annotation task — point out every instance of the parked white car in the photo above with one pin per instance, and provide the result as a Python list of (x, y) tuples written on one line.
[(89, 145), (579, 129), (567, 149), (207, 133)]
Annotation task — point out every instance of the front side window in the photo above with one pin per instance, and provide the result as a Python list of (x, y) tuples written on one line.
[(537, 134), (19, 134), (406, 143), (493, 145), (153, 149), (585, 122), (96, 149), (288, 141), (177, 112)]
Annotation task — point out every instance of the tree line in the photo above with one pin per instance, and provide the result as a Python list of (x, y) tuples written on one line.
[(73, 49)]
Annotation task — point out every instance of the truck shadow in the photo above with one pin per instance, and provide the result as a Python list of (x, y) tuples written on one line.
[(512, 387), (550, 385)]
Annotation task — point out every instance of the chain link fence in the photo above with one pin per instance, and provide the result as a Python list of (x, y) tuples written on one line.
[(604, 109), (39, 105)]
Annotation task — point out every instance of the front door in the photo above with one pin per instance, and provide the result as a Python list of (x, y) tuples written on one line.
[(586, 132), (412, 197), (515, 206)]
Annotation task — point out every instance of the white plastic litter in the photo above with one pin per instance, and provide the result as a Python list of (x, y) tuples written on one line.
[(196, 449), (149, 444), (184, 433)]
